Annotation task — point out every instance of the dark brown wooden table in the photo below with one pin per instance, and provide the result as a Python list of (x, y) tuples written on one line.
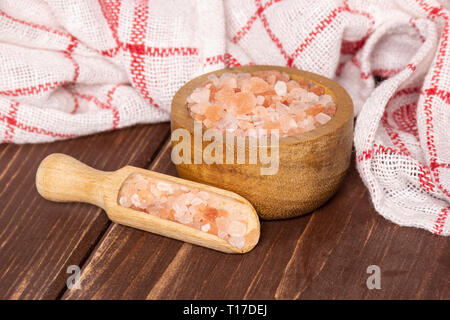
[(324, 255)]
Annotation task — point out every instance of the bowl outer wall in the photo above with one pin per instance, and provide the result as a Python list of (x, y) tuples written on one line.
[(311, 165)]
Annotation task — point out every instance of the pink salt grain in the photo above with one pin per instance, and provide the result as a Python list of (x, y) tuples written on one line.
[(238, 242), (322, 118), (258, 85), (268, 99), (243, 102), (223, 95), (236, 229), (280, 88), (205, 227), (260, 100), (230, 82), (199, 108), (214, 113), (200, 95), (315, 109)]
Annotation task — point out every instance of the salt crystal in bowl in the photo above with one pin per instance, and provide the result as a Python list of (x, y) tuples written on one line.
[(311, 164)]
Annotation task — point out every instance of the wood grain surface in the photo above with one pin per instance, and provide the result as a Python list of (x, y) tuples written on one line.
[(39, 239), (323, 255)]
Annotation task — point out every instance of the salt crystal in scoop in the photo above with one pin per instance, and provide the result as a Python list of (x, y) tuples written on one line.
[(192, 207)]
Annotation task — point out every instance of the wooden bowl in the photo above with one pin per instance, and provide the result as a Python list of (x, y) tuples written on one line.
[(312, 165)]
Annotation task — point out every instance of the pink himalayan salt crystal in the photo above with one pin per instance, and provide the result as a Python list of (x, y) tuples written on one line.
[(243, 102), (200, 95), (260, 100), (280, 88), (272, 76), (318, 90), (223, 95), (189, 206), (236, 229), (322, 118), (268, 99), (292, 84), (330, 110), (124, 201), (315, 109), (308, 123), (206, 227), (214, 113), (199, 108), (287, 122), (227, 81), (326, 99), (238, 242), (258, 85)]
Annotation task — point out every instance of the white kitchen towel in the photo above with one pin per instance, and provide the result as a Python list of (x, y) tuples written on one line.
[(70, 68)]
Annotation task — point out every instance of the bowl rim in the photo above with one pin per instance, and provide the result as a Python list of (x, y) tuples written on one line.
[(344, 104)]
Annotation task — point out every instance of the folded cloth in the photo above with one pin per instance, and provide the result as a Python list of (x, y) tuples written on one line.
[(70, 68)]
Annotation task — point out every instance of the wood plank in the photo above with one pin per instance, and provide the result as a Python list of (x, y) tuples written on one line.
[(40, 239), (323, 255)]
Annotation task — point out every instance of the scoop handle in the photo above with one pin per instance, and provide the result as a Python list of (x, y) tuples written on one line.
[(62, 178)]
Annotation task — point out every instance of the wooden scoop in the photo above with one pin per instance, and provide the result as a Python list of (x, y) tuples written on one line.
[(62, 178)]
